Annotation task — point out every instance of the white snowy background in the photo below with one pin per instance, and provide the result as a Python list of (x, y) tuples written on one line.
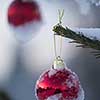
[(18, 75)]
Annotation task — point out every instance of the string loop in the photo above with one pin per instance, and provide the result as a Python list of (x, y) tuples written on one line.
[(61, 14)]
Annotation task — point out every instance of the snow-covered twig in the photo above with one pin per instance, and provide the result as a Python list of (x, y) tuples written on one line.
[(78, 37)]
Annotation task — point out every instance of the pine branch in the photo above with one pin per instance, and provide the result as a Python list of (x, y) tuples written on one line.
[(78, 38)]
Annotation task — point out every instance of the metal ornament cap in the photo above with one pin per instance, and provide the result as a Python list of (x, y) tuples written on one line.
[(59, 63)]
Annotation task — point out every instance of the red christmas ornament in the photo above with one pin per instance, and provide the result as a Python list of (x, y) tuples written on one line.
[(24, 18), (59, 83), (23, 11)]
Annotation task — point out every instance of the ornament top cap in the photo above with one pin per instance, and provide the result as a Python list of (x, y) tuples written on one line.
[(58, 63)]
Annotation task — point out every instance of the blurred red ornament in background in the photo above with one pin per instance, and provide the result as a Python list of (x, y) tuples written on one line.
[(24, 19), (21, 12), (59, 84)]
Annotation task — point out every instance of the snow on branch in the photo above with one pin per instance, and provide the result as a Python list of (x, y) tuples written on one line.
[(86, 40)]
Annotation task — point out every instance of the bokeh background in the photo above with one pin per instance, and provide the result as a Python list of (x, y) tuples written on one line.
[(22, 64)]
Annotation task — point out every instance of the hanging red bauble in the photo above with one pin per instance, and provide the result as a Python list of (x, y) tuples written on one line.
[(24, 17), (59, 83)]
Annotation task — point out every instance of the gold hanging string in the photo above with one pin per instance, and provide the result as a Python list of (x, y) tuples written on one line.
[(55, 50), (61, 14), (60, 46)]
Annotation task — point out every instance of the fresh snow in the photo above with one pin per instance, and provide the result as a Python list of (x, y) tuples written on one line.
[(52, 72), (58, 96), (92, 33), (55, 97)]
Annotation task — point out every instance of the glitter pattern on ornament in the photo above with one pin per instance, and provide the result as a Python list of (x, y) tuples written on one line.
[(59, 84), (24, 18)]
